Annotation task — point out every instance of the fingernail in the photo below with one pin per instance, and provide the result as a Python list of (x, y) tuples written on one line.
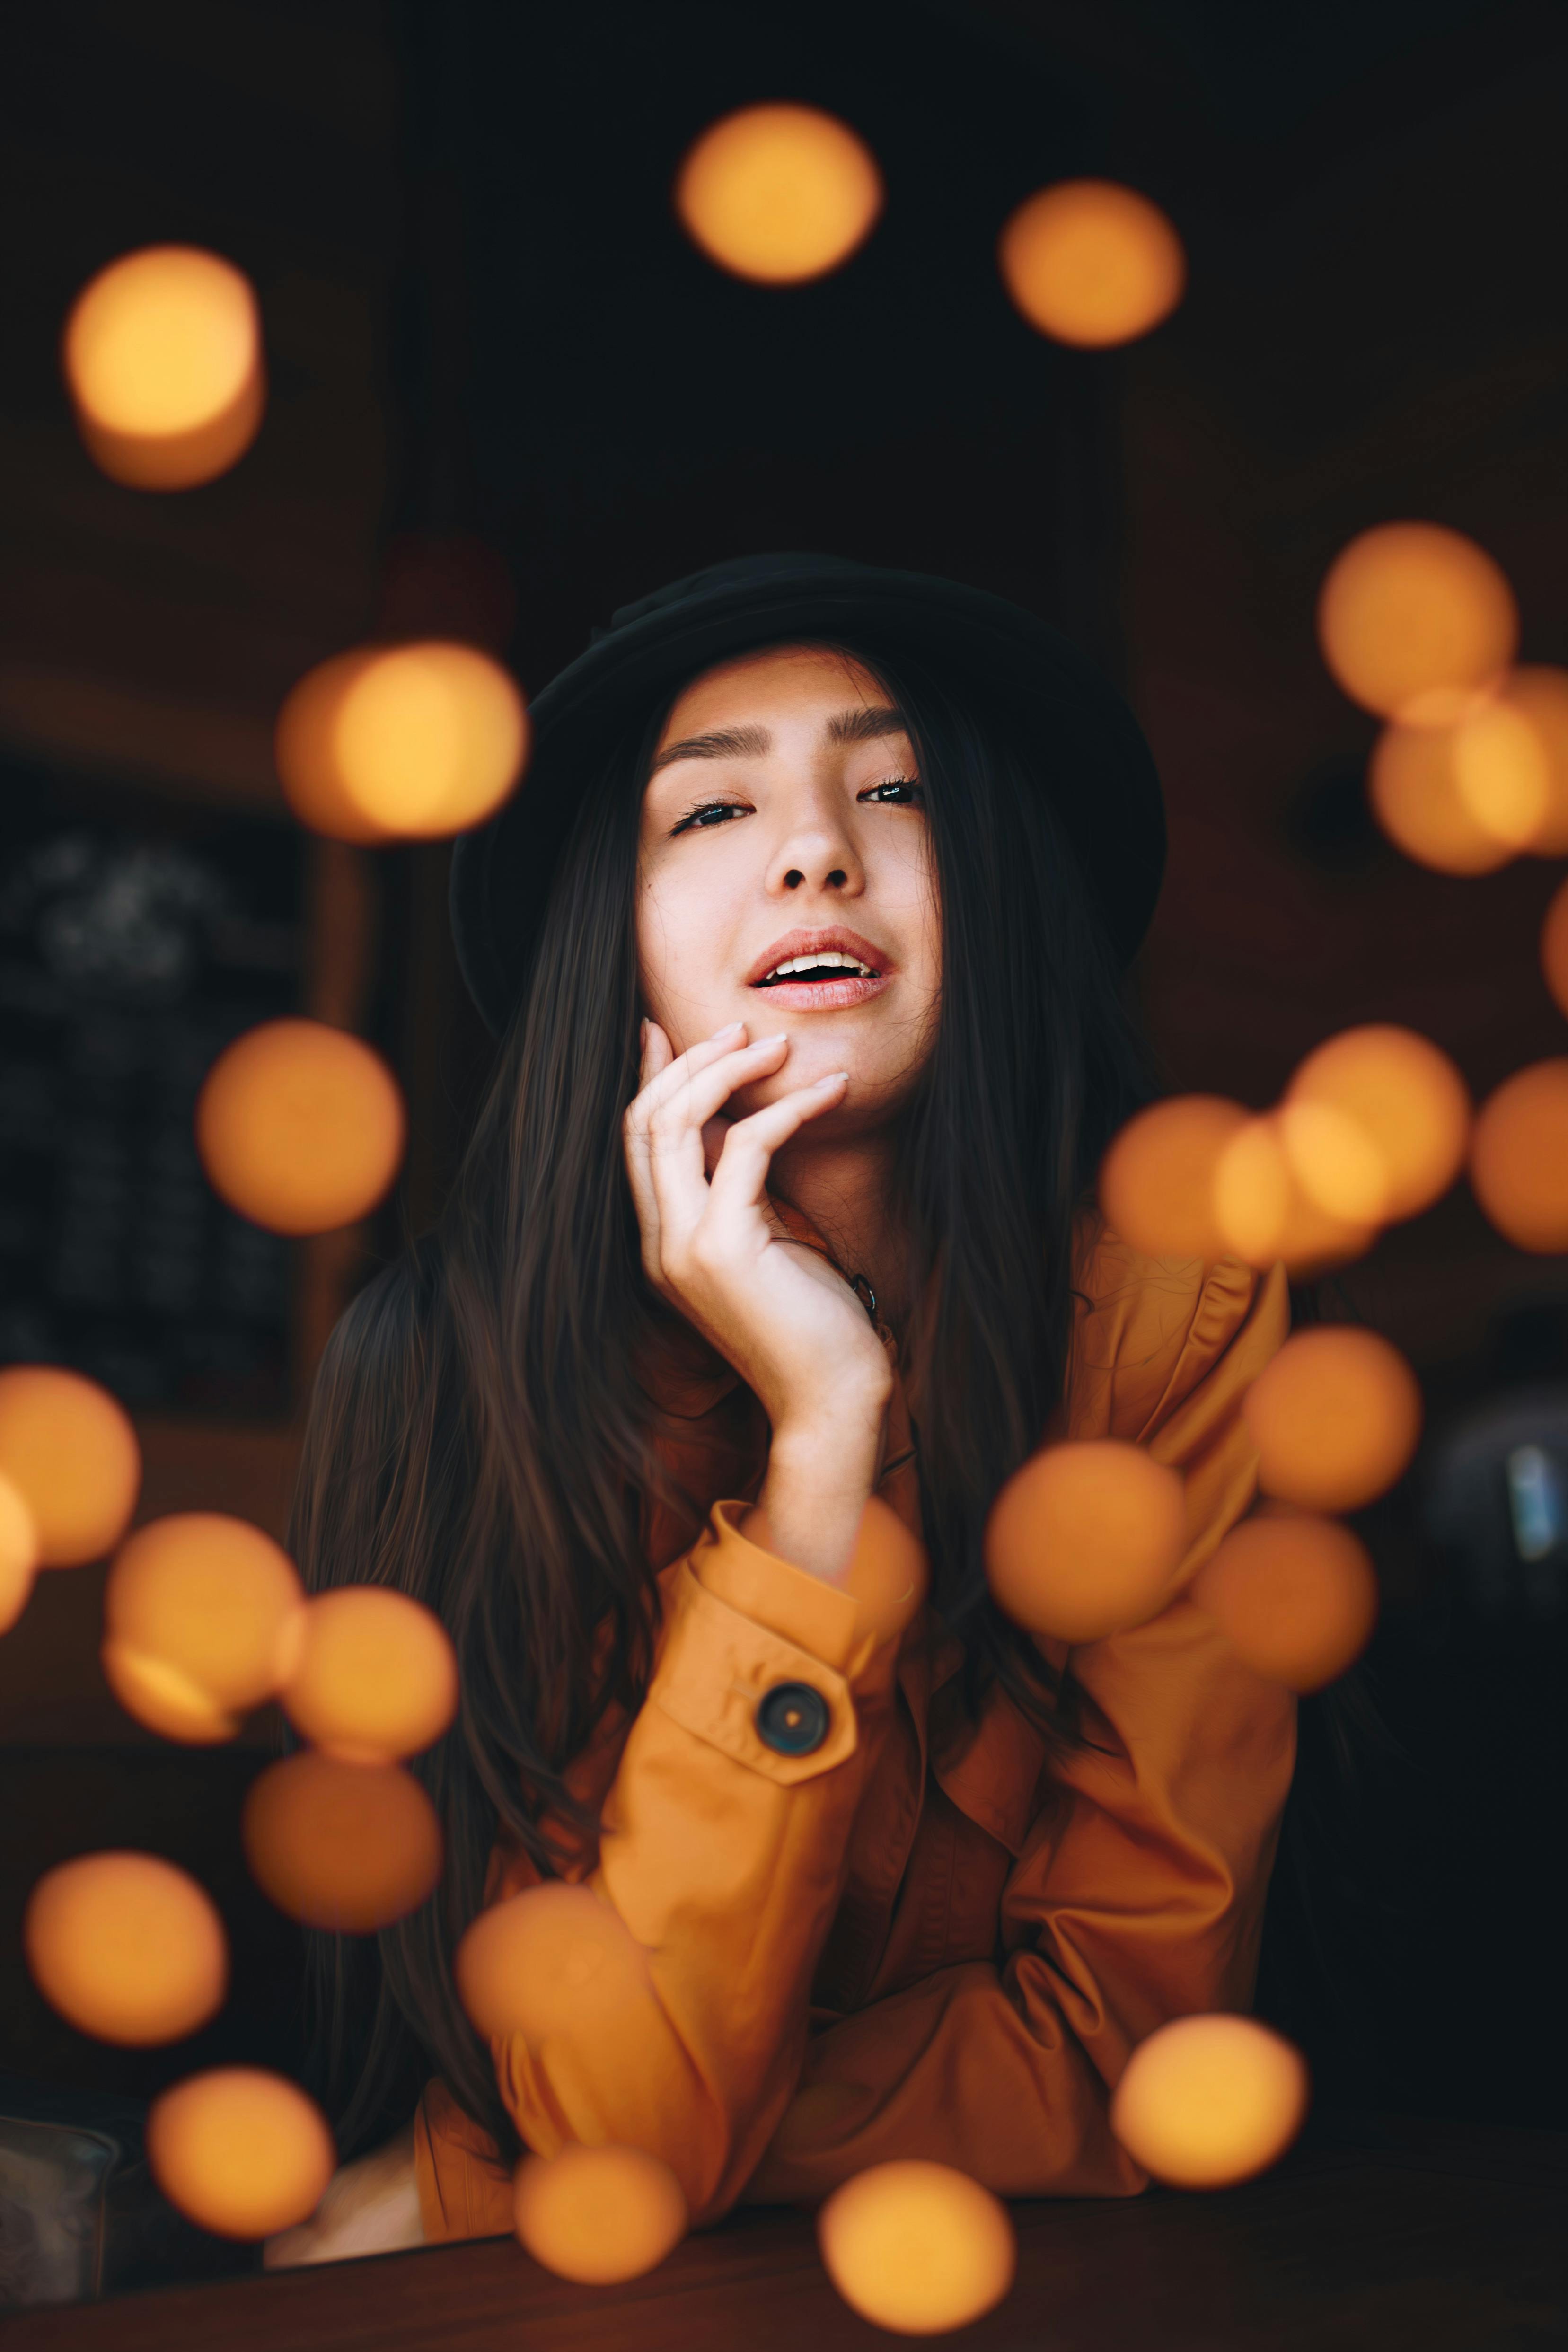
[(727, 1030), (833, 1077), (782, 1039)]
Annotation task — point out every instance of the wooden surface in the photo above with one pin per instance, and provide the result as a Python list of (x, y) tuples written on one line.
[(1388, 2235)]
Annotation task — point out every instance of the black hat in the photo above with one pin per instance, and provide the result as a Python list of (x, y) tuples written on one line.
[(1092, 757)]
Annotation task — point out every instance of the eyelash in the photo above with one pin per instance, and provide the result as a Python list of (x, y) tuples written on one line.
[(888, 783)]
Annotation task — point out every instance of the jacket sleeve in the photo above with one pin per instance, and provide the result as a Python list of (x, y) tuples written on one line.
[(725, 1859), (1139, 1894)]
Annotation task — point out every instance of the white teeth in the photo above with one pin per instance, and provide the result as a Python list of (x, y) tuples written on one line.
[(814, 962)]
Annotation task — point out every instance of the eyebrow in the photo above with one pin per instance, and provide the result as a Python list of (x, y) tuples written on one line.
[(865, 724)]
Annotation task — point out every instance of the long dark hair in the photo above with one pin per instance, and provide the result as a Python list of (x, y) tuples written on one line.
[(482, 1434)]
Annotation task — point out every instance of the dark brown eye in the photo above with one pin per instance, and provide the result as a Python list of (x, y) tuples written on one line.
[(894, 784)]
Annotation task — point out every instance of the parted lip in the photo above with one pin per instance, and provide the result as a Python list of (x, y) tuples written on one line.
[(799, 943)]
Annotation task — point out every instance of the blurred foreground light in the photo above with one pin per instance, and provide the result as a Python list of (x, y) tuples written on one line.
[(778, 193), (1554, 948), (126, 1948), (405, 742), (18, 1552), (375, 1678), (1210, 2100), (1264, 1212), (300, 1127), (1393, 1120), (889, 1573), (1539, 696), (552, 1960), (240, 2152), (598, 2214), (346, 1846), (203, 1618), (1466, 797), (1091, 263), (70, 1451), (162, 360), (1084, 1541), (1295, 1596), (1157, 1181), (1413, 618), (1519, 1158), (1335, 1419), (916, 2247)]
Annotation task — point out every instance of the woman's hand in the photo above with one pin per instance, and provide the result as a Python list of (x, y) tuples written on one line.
[(370, 2208)]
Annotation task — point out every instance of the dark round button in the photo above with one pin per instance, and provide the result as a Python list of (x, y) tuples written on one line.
[(793, 1718)]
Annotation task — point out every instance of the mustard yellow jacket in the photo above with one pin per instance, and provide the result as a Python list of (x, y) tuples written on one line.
[(916, 1940)]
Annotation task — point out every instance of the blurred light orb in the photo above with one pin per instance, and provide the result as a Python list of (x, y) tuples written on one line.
[(1412, 618), (917, 2247), (1554, 948), (375, 1677), (162, 360), (1519, 1158), (1335, 1419), (241, 2151), (127, 1947), (408, 742), (554, 1959), (888, 1573), (1413, 785), (1210, 2100), (778, 193), (1264, 1212), (1405, 1100), (70, 1451), (300, 1127), (346, 1846), (203, 1618), (1091, 263), (1085, 1539), (1540, 696), (1295, 1596), (18, 1552), (598, 2214), (1157, 1180)]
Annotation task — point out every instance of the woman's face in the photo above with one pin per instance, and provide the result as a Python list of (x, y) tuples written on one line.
[(784, 820)]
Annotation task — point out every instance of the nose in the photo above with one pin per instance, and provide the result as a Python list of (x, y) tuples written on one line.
[(817, 855)]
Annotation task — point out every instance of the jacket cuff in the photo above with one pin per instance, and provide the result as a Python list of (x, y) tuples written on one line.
[(788, 1602)]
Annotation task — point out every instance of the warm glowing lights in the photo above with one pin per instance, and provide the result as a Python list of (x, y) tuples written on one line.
[(1540, 696), (300, 1128), (1157, 1181), (1412, 618), (778, 193), (202, 1616), (1462, 799), (126, 1948), (163, 359), (376, 1678), (1084, 1541), (1295, 1596), (1335, 1419), (71, 1453), (1405, 1119), (552, 1960), (1264, 1212), (1210, 2100), (18, 1552), (888, 1573), (405, 742), (240, 2152), (916, 2247), (1092, 263), (1554, 948), (598, 2214), (1519, 1158), (346, 1846)]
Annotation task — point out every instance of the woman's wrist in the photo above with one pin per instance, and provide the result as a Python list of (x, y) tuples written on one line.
[(820, 1473)]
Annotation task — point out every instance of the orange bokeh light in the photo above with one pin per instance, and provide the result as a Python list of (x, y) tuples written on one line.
[(202, 1616), (1157, 1181), (1400, 1122), (552, 1960), (18, 1552), (1084, 1541), (1519, 1158), (1539, 696), (598, 2214), (1091, 263), (375, 1678), (916, 2247), (300, 1127), (403, 742), (889, 1573), (1295, 1595), (162, 360), (1466, 797), (1264, 1212), (1412, 618), (778, 193), (1554, 948), (1335, 1419), (239, 2151), (347, 1846), (127, 1947), (71, 1453), (1210, 2100)]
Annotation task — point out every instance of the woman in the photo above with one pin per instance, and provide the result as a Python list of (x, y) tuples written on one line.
[(741, 1241)]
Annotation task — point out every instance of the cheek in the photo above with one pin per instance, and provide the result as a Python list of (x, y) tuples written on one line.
[(681, 960)]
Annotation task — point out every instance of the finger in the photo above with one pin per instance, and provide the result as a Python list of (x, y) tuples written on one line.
[(706, 1091), (668, 1071), (740, 1179)]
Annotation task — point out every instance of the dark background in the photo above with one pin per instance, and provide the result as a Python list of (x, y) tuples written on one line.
[(506, 397)]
